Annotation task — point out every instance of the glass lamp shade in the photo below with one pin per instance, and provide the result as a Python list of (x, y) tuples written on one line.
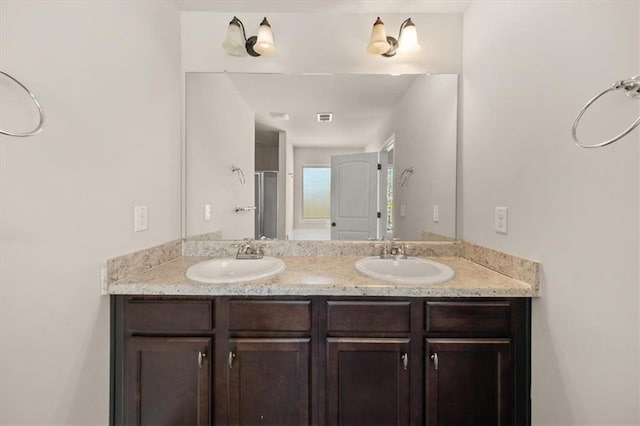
[(234, 43), (378, 43), (264, 43), (408, 42)]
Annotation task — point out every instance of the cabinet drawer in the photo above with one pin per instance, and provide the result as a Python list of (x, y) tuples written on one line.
[(468, 317), (273, 315), (161, 315), (390, 317)]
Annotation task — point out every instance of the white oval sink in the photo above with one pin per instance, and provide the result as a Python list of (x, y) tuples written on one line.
[(413, 270), (232, 270)]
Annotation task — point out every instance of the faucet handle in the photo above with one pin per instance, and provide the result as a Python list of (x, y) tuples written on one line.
[(384, 251), (406, 248)]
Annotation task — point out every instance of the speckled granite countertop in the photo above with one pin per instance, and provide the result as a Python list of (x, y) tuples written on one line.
[(324, 275)]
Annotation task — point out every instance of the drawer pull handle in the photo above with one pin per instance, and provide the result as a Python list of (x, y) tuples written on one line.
[(231, 357), (202, 356), (405, 360), (434, 357)]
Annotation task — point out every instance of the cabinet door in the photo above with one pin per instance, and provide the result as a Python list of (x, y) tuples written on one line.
[(469, 382), (168, 381), (367, 381), (269, 381)]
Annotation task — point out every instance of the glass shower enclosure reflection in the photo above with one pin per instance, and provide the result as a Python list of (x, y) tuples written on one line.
[(266, 215)]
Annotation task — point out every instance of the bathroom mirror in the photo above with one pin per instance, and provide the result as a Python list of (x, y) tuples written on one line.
[(320, 156)]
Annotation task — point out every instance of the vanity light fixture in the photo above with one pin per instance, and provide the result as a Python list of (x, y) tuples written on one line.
[(236, 43), (387, 46)]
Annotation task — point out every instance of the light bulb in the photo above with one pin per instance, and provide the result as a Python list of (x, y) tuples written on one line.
[(264, 43), (378, 43), (234, 43), (408, 41)]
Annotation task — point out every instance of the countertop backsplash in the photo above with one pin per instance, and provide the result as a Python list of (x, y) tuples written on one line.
[(138, 263)]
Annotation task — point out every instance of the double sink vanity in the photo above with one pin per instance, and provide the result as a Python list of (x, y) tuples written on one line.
[(321, 333)]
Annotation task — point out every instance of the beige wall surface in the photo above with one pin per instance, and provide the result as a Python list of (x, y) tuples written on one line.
[(529, 67), (220, 131), (108, 77), (425, 127)]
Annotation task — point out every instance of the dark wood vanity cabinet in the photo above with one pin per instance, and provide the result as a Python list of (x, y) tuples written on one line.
[(268, 353), (161, 365), (469, 382), (320, 361), (367, 382), (168, 381), (367, 370), (268, 381)]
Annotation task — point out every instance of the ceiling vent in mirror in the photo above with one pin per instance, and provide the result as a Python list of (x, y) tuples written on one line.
[(325, 117)]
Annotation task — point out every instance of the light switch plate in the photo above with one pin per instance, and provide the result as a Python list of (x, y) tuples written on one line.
[(436, 213), (207, 212), (140, 218), (403, 210), (501, 219)]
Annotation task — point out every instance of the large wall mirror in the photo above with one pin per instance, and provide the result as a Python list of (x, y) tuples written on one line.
[(320, 157)]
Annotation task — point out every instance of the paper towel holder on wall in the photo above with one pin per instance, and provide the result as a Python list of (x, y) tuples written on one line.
[(632, 89)]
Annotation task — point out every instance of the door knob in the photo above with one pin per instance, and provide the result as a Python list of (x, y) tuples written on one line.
[(333, 224)]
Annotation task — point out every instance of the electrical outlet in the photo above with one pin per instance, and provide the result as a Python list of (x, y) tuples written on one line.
[(140, 218), (501, 219), (207, 212), (436, 213)]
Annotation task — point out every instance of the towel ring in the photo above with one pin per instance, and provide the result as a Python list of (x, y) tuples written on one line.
[(632, 87), (40, 111), (404, 176)]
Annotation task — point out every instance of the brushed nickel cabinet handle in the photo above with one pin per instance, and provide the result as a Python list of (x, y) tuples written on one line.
[(231, 357), (434, 357), (405, 360), (202, 356)]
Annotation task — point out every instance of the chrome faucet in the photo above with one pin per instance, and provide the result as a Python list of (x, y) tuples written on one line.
[(248, 251), (393, 249)]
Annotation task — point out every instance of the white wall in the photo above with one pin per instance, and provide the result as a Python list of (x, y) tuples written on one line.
[(221, 133), (333, 43), (425, 127), (108, 77), (309, 157), (528, 69)]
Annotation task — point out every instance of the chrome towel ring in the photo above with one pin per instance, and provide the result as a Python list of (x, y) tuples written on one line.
[(632, 89), (40, 111), (404, 176)]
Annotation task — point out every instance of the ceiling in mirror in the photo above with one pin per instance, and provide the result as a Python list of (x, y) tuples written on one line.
[(357, 103)]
